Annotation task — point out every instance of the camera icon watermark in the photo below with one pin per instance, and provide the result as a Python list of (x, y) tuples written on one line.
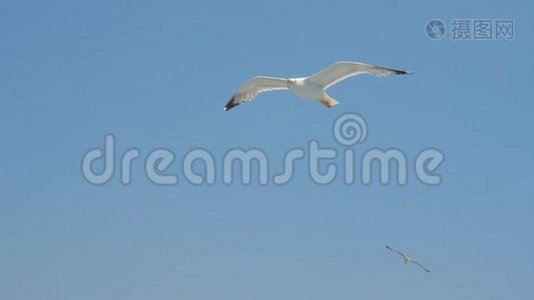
[(435, 29)]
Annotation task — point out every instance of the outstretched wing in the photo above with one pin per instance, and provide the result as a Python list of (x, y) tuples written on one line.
[(398, 252), (419, 265), (344, 69), (253, 87)]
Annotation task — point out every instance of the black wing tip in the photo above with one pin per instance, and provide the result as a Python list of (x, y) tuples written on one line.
[(399, 72), (230, 104)]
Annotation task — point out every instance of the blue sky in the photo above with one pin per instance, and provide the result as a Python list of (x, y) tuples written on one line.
[(157, 75)]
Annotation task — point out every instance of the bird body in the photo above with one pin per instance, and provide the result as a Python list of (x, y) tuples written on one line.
[(305, 90), (312, 87)]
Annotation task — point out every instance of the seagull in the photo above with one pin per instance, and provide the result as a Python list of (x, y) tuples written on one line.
[(407, 259), (312, 87)]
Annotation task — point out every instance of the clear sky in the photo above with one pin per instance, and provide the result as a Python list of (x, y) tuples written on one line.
[(157, 74)]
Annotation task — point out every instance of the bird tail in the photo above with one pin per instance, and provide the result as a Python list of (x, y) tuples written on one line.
[(328, 101)]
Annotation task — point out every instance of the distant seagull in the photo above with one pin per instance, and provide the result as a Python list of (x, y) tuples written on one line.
[(407, 259), (310, 88)]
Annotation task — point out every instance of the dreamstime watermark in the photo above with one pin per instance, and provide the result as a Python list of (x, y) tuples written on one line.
[(472, 29), (349, 131)]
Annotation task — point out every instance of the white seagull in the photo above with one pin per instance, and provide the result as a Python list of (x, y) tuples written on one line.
[(407, 259), (311, 87)]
